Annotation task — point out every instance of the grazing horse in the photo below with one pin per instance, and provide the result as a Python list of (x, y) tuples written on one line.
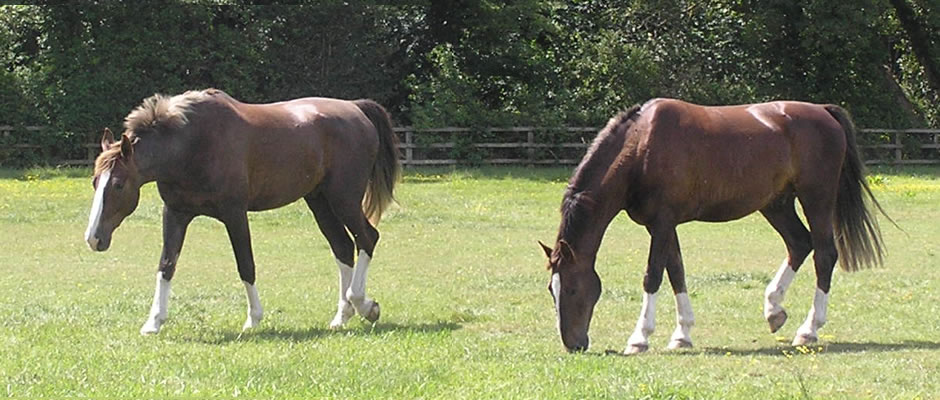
[(215, 156), (670, 162)]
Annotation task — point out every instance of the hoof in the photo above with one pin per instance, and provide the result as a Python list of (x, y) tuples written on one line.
[(337, 322), (344, 312), (804, 339), (679, 344), (636, 349), (151, 327), (251, 322), (776, 320), (374, 312)]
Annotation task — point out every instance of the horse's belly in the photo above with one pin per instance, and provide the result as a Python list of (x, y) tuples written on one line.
[(280, 192), (725, 212), (735, 206)]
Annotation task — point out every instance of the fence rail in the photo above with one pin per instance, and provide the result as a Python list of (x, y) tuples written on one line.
[(552, 146)]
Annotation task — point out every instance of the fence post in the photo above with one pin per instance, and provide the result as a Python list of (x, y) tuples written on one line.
[(897, 150), (409, 151), (530, 147)]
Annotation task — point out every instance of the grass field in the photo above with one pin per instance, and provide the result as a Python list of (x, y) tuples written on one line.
[(465, 310)]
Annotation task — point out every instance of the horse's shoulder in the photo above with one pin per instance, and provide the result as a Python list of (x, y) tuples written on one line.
[(663, 114), (661, 105)]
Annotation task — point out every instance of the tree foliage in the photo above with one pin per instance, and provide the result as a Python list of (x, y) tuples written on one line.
[(82, 66)]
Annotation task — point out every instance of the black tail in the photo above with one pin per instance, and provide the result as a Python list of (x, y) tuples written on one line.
[(387, 168), (857, 234)]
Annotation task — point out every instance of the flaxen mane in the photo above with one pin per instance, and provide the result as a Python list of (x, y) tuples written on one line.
[(577, 203), (157, 112)]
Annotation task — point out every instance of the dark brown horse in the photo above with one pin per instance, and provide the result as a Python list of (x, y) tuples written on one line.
[(670, 162), (213, 155)]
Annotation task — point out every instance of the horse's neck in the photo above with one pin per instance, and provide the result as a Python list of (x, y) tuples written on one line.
[(584, 228), (589, 242), (602, 180), (156, 164)]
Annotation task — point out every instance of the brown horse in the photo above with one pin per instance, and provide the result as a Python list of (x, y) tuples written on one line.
[(670, 162), (215, 156)]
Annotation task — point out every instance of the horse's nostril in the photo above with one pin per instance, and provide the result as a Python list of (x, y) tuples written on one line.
[(580, 347)]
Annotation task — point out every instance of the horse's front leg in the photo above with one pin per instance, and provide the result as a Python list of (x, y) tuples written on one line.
[(685, 319), (174, 231), (664, 250), (236, 223)]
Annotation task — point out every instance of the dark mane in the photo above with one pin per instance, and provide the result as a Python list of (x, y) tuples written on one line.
[(578, 203)]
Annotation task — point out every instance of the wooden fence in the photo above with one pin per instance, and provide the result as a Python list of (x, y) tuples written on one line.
[(539, 146), (555, 146)]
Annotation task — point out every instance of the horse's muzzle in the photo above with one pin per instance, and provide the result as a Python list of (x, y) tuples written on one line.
[(98, 244), (578, 346)]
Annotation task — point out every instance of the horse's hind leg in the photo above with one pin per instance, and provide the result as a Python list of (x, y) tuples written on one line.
[(819, 206), (348, 209), (781, 214), (343, 250)]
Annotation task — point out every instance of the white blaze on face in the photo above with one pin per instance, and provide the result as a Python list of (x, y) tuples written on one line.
[(556, 293), (97, 205)]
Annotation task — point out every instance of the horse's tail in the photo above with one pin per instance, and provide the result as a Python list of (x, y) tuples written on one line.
[(857, 234), (387, 169)]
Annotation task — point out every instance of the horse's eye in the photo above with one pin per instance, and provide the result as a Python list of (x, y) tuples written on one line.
[(119, 185)]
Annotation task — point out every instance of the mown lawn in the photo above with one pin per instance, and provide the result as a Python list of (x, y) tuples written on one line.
[(465, 310)]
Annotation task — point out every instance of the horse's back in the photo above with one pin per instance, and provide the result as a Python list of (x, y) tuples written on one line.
[(722, 163), (292, 146)]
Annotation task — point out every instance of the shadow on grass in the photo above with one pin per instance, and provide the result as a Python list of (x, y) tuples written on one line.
[(314, 333), (791, 351), (830, 347)]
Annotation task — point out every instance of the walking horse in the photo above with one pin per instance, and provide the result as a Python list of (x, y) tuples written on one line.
[(670, 162), (212, 155)]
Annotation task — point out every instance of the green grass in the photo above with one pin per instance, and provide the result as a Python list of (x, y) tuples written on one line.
[(465, 310)]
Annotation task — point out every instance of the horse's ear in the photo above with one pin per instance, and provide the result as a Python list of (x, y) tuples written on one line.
[(565, 251), (546, 249), (107, 139), (127, 148)]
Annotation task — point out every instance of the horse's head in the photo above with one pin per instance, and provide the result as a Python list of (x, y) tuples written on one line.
[(117, 190), (575, 288)]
